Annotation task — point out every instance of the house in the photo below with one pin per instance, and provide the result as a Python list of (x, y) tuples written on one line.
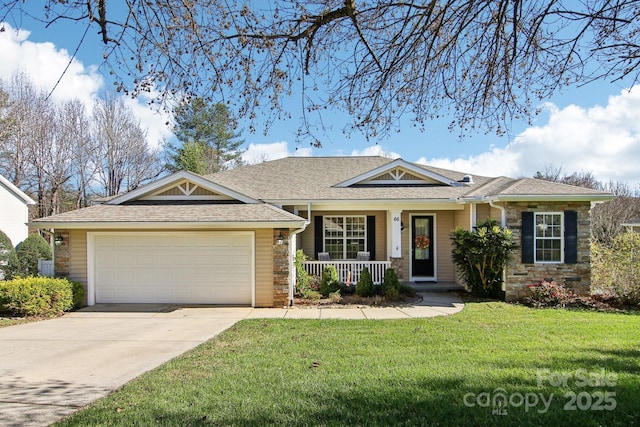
[(633, 225), (14, 211), (230, 237)]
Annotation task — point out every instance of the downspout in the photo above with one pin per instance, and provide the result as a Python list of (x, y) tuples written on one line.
[(503, 222), (292, 255), (503, 210)]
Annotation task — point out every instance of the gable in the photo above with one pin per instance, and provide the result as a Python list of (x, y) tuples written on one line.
[(398, 173), (182, 186), (186, 190)]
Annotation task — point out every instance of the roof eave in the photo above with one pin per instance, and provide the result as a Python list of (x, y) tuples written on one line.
[(550, 198), (16, 191), (291, 202), (129, 225)]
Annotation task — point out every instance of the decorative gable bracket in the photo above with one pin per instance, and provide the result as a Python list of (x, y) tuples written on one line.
[(399, 172), (183, 186)]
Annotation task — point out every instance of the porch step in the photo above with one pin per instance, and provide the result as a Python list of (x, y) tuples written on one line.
[(435, 286)]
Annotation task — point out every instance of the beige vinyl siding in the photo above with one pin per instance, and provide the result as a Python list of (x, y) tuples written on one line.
[(483, 211), (264, 268), (444, 226), (307, 243), (78, 256), (463, 218)]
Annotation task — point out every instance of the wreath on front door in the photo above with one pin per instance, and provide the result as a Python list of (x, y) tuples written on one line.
[(422, 241)]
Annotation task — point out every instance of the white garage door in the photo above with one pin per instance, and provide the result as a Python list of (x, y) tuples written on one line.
[(187, 268)]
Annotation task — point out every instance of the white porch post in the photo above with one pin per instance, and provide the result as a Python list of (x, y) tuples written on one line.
[(395, 226), (473, 216)]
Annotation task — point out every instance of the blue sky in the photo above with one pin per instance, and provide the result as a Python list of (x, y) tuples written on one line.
[(593, 128)]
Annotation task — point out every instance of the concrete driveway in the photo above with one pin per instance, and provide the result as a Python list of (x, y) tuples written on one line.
[(51, 368)]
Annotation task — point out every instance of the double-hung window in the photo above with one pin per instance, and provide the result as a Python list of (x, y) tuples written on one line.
[(550, 237), (344, 236), (549, 233)]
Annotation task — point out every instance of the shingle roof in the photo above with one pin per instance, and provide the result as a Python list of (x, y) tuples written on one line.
[(316, 178), (174, 213)]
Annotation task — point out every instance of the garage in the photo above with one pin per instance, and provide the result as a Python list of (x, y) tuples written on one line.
[(172, 267)]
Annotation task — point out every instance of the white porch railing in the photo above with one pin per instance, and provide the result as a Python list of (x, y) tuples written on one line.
[(376, 268), (45, 267)]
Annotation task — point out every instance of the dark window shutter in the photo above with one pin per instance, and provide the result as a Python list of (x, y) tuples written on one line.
[(371, 237), (527, 237), (318, 234), (570, 237)]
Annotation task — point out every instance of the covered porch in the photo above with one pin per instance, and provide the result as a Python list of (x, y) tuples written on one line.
[(349, 270)]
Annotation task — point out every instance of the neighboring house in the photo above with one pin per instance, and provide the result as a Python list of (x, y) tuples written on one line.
[(633, 225), (14, 211), (230, 238)]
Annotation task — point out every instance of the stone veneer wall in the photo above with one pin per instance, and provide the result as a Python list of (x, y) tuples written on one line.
[(280, 269), (576, 277)]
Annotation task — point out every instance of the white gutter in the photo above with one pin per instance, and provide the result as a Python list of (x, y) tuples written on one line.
[(292, 255), (503, 211), (108, 225)]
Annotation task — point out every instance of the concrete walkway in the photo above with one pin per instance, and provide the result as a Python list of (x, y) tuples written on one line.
[(50, 369)]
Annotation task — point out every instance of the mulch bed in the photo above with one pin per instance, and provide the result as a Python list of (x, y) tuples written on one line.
[(355, 301)]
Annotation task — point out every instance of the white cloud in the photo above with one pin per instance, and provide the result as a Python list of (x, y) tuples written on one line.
[(45, 63), (604, 140), (257, 153), (153, 121), (375, 150)]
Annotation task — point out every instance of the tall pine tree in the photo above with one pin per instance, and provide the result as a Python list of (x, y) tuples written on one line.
[(209, 141)]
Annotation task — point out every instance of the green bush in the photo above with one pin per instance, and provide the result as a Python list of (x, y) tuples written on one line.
[(29, 251), (481, 256), (8, 259), (36, 296), (616, 269), (329, 281), (407, 291), (390, 284), (310, 294), (78, 294), (365, 287), (302, 277)]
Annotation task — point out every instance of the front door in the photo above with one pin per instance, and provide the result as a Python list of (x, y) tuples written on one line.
[(422, 246)]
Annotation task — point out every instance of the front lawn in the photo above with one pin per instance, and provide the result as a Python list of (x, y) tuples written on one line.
[(11, 321), (553, 367)]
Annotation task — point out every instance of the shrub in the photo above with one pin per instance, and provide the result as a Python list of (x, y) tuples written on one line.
[(407, 291), (481, 255), (365, 287), (302, 277), (29, 251), (312, 295), (616, 268), (335, 297), (8, 259), (36, 296), (390, 283), (78, 294), (549, 294), (329, 280)]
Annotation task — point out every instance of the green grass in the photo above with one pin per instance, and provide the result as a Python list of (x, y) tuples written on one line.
[(394, 372), (10, 321)]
